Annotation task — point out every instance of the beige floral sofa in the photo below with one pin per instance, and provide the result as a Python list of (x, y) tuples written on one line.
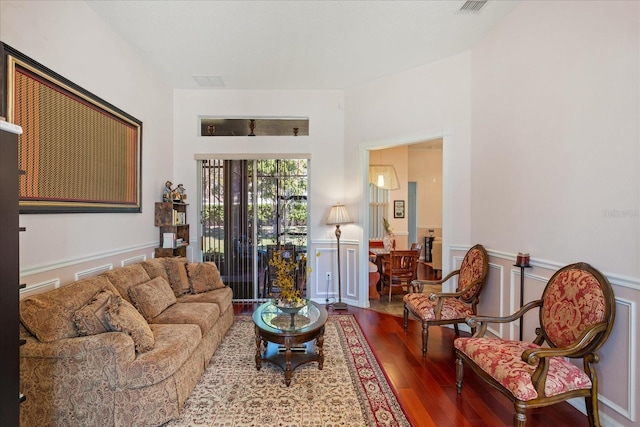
[(124, 348)]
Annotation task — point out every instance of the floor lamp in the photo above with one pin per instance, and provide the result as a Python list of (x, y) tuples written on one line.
[(338, 215)]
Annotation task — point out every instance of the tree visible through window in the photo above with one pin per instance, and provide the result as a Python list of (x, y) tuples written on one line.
[(249, 205)]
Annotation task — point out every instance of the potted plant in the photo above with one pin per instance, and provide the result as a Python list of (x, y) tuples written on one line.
[(387, 239)]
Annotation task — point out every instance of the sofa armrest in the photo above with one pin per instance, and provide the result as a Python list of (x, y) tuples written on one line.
[(100, 358)]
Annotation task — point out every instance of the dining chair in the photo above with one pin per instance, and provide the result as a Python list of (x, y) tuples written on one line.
[(400, 268), (449, 308), (576, 315), (417, 247)]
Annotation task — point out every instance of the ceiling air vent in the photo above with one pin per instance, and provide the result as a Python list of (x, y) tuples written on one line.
[(472, 6)]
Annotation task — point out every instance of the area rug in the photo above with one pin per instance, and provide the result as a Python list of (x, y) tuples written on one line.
[(350, 390)]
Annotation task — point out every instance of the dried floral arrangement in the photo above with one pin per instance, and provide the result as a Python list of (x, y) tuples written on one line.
[(285, 276)]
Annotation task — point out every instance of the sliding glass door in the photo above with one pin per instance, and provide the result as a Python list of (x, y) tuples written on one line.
[(248, 206)]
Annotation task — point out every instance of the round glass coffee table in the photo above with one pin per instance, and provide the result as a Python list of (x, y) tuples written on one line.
[(289, 340)]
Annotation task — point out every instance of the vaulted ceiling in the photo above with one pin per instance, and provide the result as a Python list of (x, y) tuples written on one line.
[(294, 44)]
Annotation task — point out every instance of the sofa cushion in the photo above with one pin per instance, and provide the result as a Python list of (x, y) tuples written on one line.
[(91, 318), (222, 297), (203, 277), (153, 297), (49, 316), (202, 314), (177, 273), (125, 277), (174, 345), (123, 317), (155, 267)]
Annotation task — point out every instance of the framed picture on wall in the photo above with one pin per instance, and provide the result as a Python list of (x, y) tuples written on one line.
[(398, 208), (78, 153)]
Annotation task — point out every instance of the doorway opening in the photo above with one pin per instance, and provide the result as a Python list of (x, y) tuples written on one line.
[(419, 167), (249, 206)]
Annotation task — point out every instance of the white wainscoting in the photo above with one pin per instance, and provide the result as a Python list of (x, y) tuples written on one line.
[(40, 287), (85, 274), (133, 260)]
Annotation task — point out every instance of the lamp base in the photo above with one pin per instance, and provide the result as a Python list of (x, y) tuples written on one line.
[(339, 306)]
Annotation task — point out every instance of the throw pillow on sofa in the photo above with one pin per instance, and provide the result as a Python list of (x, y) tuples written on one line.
[(91, 319), (203, 277), (123, 278), (153, 297), (155, 267), (123, 317), (177, 274), (49, 315)]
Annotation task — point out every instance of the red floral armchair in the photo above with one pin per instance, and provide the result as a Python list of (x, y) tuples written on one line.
[(577, 312), (442, 308)]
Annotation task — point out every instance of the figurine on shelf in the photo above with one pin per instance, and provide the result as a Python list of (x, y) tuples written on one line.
[(181, 193), (166, 192)]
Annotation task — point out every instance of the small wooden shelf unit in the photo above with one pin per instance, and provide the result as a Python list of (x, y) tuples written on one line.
[(171, 217)]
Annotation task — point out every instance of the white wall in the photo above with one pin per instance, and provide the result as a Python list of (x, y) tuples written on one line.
[(420, 104), (70, 39), (555, 153), (541, 153), (414, 106), (555, 161), (324, 145)]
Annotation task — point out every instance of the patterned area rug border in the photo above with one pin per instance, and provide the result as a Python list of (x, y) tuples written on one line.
[(351, 390), (390, 411)]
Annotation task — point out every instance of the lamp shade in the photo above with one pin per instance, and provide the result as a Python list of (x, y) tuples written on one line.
[(338, 215), (383, 176)]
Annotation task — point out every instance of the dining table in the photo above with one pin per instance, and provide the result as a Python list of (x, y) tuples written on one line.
[(380, 254)]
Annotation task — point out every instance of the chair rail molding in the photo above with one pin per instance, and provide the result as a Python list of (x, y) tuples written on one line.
[(95, 257)]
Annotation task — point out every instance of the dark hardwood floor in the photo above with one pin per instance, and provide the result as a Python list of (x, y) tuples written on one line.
[(426, 387)]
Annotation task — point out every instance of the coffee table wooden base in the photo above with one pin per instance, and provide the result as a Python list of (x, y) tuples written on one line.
[(289, 351)]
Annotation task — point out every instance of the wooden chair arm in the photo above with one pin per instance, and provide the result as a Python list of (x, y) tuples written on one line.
[(418, 283), (481, 322), (533, 355), (457, 294), (541, 356), (439, 295)]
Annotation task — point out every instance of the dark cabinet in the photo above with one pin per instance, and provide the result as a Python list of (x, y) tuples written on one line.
[(10, 396), (428, 245)]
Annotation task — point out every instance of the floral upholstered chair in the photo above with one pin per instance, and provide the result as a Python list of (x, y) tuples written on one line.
[(577, 311), (450, 308)]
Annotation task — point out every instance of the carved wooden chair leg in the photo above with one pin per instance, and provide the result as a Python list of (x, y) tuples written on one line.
[(459, 374), (406, 318), (425, 338), (592, 408), (519, 418)]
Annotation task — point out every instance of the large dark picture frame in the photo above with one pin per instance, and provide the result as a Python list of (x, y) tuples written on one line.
[(78, 153)]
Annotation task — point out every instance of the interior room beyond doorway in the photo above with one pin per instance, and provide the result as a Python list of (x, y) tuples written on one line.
[(421, 163)]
